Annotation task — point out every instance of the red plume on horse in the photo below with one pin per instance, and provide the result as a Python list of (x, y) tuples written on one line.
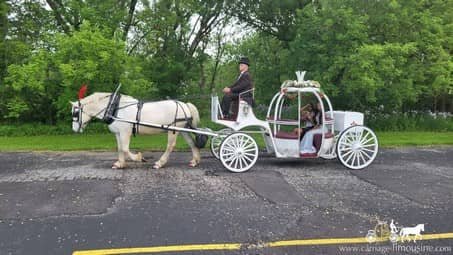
[(82, 91)]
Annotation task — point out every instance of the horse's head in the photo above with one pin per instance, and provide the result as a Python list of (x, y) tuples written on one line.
[(80, 118), (85, 109)]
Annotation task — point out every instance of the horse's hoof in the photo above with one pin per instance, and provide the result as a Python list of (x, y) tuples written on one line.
[(140, 157), (116, 165), (156, 166), (193, 164), (144, 160)]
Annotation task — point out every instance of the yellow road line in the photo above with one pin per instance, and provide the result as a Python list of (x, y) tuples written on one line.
[(324, 241), (156, 249), (437, 236), (237, 246)]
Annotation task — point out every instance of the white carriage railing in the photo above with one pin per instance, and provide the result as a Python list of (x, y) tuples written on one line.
[(216, 109), (247, 91)]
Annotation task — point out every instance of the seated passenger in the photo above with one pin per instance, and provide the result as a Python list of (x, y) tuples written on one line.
[(243, 83), (306, 145), (306, 116)]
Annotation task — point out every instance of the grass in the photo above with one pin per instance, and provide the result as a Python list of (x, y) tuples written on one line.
[(158, 142), (398, 139)]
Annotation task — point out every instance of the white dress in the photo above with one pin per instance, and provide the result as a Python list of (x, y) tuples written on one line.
[(306, 145)]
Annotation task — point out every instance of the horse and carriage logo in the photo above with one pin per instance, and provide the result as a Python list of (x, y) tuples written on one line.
[(394, 233)]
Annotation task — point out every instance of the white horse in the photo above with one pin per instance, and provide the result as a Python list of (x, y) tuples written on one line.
[(407, 232), (160, 112)]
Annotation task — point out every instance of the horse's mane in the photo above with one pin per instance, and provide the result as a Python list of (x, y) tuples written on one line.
[(97, 96)]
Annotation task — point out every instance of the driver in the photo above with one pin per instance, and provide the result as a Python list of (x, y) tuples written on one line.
[(243, 83)]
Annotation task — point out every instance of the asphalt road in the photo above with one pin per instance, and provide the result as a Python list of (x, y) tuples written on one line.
[(58, 203)]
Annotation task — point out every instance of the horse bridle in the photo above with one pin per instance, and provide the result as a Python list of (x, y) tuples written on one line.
[(77, 114)]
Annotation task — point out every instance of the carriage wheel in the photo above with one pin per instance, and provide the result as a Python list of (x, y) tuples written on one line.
[(371, 236), (238, 152), (216, 141), (393, 237), (357, 147)]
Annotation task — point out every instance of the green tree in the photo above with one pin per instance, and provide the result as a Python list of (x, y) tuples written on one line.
[(41, 88), (274, 18)]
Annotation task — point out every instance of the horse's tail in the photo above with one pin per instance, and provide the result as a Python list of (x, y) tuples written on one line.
[(195, 115)]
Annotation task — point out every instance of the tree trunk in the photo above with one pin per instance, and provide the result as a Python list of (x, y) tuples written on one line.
[(451, 103), (443, 103), (202, 83), (59, 16), (130, 18), (435, 104)]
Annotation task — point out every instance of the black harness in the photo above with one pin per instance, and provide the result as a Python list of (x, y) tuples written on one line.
[(187, 119), (112, 108), (77, 115), (135, 128), (111, 112)]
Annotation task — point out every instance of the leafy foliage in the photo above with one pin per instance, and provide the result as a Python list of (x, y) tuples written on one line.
[(386, 56)]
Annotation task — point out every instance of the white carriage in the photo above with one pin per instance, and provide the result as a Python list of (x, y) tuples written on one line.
[(344, 136)]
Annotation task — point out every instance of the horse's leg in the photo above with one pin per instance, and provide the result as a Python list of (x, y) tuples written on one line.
[(171, 143), (195, 151), (121, 163), (125, 141)]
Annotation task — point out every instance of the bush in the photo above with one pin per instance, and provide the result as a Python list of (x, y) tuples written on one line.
[(34, 129), (413, 121)]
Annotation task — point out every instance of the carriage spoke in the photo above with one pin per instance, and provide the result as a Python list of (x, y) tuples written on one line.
[(234, 161), (228, 154), (230, 161), (235, 143), (345, 149), (249, 154), (365, 149), (361, 157), (250, 150), (236, 164), (347, 160), (247, 161), (369, 140), (358, 135), (240, 162), (368, 145), (347, 153), (246, 157), (231, 157), (241, 141), (251, 145), (364, 138), (365, 154), (228, 149), (363, 134), (354, 158), (346, 144), (349, 139)]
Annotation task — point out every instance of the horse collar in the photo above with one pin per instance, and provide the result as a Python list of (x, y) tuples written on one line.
[(112, 108)]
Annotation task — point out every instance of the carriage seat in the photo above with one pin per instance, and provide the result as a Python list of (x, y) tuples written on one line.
[(286, 135), (279, 119), (234, 109), (317, 139)]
